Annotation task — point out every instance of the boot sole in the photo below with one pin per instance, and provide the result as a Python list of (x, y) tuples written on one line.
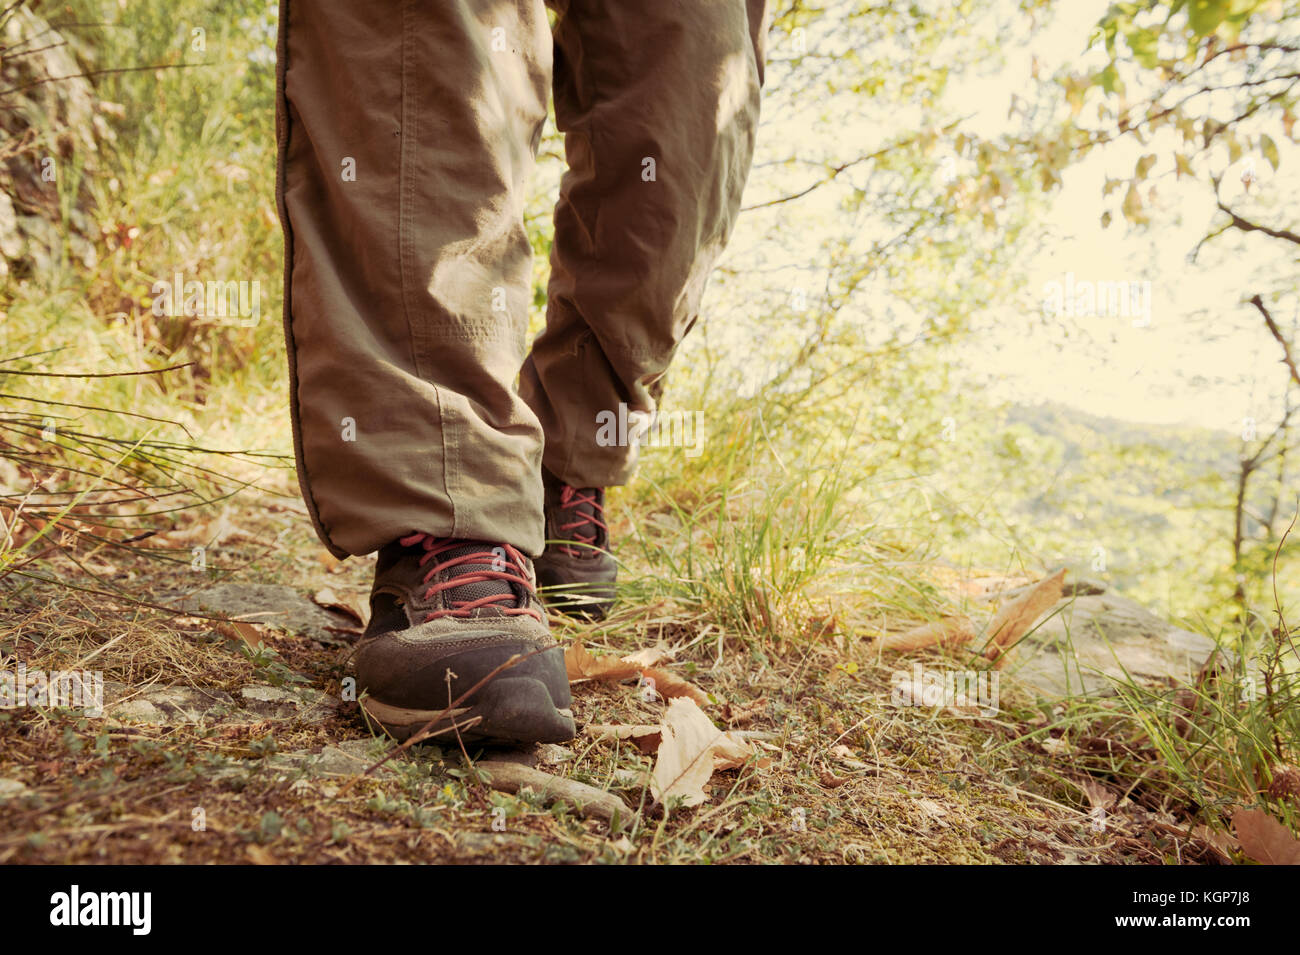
[(509, 711)]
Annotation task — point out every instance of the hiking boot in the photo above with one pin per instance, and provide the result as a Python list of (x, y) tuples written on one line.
[(577, 570), (444, 614)]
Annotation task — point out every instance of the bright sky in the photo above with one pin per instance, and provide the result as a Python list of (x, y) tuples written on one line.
[(1202, 357), (1170, 371)]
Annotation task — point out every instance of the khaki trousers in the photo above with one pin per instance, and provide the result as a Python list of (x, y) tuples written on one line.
[(407, 132)]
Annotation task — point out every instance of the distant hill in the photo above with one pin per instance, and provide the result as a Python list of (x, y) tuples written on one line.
[(1198, 448)]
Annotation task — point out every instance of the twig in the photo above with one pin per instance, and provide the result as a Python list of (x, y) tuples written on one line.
[(1258, 302), (105, 374)]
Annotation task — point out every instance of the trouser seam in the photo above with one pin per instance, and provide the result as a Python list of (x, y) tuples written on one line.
[(410, 136), (281, 177)]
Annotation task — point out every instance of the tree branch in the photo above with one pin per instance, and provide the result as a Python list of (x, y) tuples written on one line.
[(1258, 302), (1245, 225)]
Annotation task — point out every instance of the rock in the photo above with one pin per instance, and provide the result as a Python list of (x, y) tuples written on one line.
[(141, 711), (273, 604), (178, 704), (183, 704), (1083, 587), (285, 703), (9, 788), (1083, 644), (350, 758)]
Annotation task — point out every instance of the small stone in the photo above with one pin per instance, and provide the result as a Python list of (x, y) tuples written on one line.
[(348, 758), (139, 710)]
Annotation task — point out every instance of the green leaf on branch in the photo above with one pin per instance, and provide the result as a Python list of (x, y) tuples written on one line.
[(1269, 149)]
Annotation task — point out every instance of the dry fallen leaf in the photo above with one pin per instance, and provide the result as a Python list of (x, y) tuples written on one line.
[(328, 561), (650, 656), (646, 738), (948, 632), (829, 779), (691, 750), (352, 606), (1222, 844), (1057, 746), (1265, 839), (1099, 795), (582, 665), (741, 714), (260, 855), (848, 757), (1014, 619), (241, 630), (931, 808), (211, 533)]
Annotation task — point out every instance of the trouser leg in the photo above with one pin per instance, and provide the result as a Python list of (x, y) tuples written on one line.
[(658, 102), (407, 131)]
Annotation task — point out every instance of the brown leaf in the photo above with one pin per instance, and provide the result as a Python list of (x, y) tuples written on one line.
[(352, 606), (1015, 618), (948, 632), (328, 561), (1099, 796), (830, 780), (848, 757), (260, 855), (1220, 843), (582, 665), (647, 738), (741, 714), (241, 630), (691, 750), (1265, 839), (649, 656), (210, 533)]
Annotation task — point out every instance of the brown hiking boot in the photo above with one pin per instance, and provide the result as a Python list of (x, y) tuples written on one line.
[(576, 571), (444, 614)]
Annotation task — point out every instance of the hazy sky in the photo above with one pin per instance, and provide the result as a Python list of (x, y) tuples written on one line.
[(1170, 370), (1199, 357)]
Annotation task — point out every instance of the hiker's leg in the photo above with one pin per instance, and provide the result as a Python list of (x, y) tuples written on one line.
[(407, 132), (659, 106)]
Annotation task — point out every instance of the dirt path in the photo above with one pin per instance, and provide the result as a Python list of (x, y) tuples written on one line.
[(232, 742)]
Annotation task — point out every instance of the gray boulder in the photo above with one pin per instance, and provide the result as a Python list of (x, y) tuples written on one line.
[(1087, 643), (275, 604)]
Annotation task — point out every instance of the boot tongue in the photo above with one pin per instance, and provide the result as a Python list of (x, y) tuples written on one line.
[(473, 590)]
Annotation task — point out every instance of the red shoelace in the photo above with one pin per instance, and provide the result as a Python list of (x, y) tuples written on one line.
[(571, 497), (513, 574)]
